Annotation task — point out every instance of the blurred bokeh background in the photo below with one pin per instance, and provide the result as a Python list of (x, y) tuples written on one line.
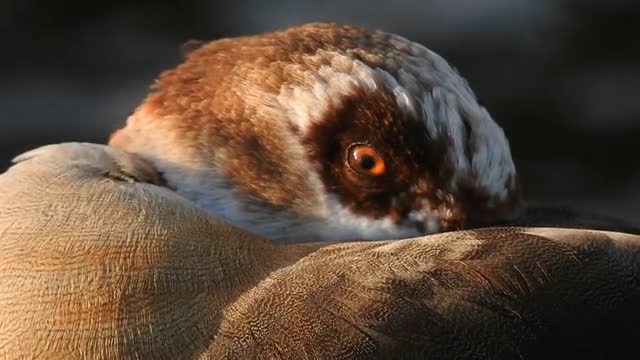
[(562, 77)]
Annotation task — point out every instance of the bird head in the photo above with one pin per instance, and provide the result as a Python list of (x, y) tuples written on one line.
[(326, 132)]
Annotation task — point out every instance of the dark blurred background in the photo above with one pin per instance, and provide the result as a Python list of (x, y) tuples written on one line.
[(561, 77)]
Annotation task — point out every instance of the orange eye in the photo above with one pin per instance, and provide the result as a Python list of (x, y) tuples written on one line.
[(365, 160)]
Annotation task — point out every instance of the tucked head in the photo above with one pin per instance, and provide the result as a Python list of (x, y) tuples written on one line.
[(326, 132)]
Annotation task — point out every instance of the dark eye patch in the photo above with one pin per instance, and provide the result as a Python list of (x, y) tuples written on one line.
[(374, 119)]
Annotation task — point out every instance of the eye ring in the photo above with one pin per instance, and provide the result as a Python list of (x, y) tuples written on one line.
[(365, 160)]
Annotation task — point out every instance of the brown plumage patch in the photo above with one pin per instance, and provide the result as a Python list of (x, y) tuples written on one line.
[(215, 101)]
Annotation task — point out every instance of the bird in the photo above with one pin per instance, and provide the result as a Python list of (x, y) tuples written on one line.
[(100, 260), (200, 231), (325, 132)]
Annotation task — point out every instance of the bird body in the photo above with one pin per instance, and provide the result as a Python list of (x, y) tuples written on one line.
[(98, 262)]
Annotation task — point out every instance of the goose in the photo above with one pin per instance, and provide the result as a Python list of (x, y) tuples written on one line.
[(315, 192)]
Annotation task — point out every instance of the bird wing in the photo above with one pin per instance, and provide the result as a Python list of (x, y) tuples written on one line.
[(495, 293), (98, 262)]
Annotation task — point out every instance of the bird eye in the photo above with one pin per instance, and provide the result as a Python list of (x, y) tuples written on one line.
[(365, 160)]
